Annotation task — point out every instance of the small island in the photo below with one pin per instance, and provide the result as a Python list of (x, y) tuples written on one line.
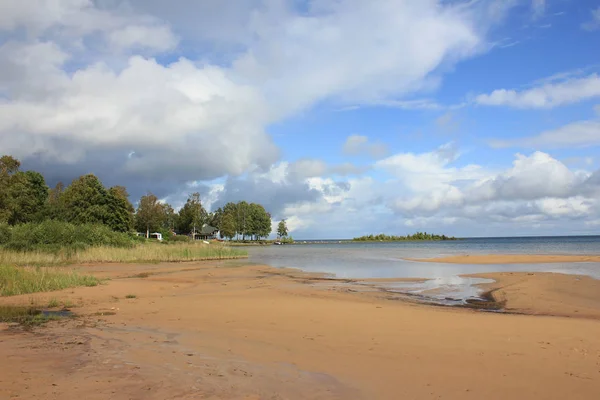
[(392, 238)]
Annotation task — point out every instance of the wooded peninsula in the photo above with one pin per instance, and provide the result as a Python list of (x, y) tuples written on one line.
[(391, 238)]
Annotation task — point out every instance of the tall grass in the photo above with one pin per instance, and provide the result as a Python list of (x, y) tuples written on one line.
[(148, 252), (22, 280)]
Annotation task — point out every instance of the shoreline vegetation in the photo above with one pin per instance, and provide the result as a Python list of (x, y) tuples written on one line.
[(424, 236)]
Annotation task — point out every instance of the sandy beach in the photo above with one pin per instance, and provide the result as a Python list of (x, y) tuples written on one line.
[(511, 259), (229, 331)]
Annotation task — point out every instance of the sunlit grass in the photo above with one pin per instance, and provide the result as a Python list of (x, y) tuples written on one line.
[(150, 252), (22, 280)]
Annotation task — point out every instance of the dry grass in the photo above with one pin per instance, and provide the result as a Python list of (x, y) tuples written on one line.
[(22, 280), (151, 252)]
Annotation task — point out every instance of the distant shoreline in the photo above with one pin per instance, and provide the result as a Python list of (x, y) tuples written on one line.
[(510, 259)]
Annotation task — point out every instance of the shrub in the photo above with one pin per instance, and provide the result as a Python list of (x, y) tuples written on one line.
[(180, 238), (53, 236), (5, 234)]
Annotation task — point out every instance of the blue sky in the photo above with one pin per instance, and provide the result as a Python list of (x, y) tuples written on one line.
[(471, 118)]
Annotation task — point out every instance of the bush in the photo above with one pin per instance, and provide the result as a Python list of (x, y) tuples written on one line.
[(53, 236), (5, 234), (180, 238)]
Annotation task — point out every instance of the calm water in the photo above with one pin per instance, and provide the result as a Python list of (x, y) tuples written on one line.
[(387, 260)]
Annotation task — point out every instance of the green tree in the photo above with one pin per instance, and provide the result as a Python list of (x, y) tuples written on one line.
[(54, 207), (120, 217), (259, 221), (86, 201), (27, 193), (192, 215), (214, 218), (242, 216), (227, 228), (282, 229), (8, 167), (171, 218), (150, 214)]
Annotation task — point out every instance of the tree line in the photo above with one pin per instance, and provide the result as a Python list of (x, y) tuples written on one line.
[(25, 197), (392, 238)]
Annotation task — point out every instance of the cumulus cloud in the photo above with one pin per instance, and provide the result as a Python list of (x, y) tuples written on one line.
[(358, 144), (89, 77), (548, 95), (594, 23), (537, 188), (575, 134)]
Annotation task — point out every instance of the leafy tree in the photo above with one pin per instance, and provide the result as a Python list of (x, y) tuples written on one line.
[(242, 218), (8, 167), (150, 214), (214, 218), (86, 201), (227, 228), (192, 215), (120, 217), (282, 229), (27, 194), (171, 218), (54, 207)]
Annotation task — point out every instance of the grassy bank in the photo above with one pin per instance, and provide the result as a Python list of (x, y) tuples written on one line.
[(147, 252), (23, 280), (25, 315)]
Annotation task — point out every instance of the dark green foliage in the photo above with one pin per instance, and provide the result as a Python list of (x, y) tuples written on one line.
[(86, 201), (192, 215), (179, 238), (282, 230), (227, 226), (55, 235), (22, 194), (5, 233), (150, 215), (28, 193), (120, 217), (417, 236)]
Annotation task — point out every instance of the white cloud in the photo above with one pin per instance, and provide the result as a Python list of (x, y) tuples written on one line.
[(531, 177), (159, 38), (537, 187), (548, 95), (358, 144), (82, 82), (576, 134), (594, 23), (538, 7)]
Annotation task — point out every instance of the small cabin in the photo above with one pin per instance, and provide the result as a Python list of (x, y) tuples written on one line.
[(157, 236), (207, 233)]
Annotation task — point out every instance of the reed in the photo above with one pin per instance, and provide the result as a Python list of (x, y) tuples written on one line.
[(147, 252), (22, 280)]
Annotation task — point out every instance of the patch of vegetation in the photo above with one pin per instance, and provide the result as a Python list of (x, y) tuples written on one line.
[(61, 237), (53, 303), (392, 238), (131, 296), (24, 315), (22, 280)]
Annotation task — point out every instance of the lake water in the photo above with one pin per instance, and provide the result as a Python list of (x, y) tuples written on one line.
[(361, 260)]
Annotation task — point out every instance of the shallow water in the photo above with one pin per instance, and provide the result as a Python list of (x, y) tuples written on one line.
[(387, 260)]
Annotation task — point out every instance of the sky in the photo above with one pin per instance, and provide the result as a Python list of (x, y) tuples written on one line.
[(344, 117)]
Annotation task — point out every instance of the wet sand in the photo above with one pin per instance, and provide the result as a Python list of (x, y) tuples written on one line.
[(227, 331), (510, 259)]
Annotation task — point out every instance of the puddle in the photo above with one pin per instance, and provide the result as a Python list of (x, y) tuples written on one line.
[(57, 313), (452, 290)]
